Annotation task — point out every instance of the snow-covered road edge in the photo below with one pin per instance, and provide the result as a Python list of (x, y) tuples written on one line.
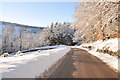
[(33, 68), (112, 61)]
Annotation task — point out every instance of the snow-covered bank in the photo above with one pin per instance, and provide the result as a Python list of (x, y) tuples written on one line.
[(111, 45), (31, 64)]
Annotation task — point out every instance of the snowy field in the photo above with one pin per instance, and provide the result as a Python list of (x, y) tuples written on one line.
[(31, 64), (111, 44)]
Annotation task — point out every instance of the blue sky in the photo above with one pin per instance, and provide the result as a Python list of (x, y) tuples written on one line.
[(37, 13)]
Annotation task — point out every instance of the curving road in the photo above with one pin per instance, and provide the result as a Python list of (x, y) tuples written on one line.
[(80, 64)]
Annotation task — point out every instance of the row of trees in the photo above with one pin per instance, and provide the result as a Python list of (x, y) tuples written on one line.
[(20, 38), (96, 21)]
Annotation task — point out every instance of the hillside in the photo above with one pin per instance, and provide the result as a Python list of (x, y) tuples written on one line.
[(34, 28)]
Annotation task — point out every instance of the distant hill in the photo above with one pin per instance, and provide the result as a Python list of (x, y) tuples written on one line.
[(33, 28)]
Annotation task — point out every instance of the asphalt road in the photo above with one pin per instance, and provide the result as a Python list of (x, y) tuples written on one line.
[(81, 64)]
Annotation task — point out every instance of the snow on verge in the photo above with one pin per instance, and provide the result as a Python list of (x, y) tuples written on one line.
[(111, 44), (31, 64)]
